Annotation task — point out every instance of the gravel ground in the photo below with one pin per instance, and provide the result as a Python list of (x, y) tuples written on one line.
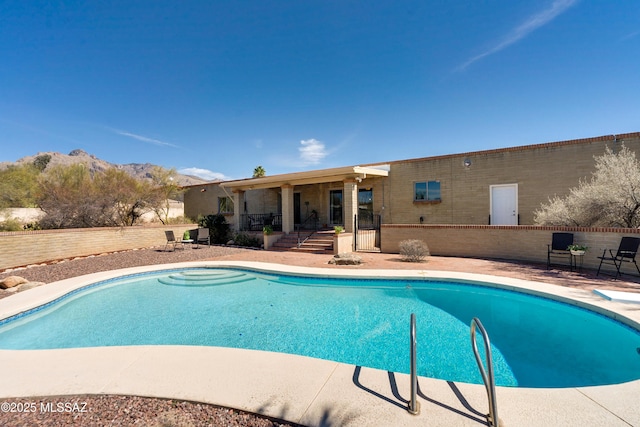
[(109, 410), (103, 410), (64, 269)]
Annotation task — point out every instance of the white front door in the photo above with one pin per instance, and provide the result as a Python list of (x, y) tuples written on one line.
[(504, 204)]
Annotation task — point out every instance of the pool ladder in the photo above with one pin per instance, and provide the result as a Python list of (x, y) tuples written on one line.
[(414, 405), (487, 375)]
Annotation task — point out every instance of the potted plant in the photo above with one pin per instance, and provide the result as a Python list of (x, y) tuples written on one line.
[(267, 230), (577, 249), (338, 229)]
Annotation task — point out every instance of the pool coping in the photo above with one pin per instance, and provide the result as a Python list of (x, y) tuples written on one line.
[(302, 389)]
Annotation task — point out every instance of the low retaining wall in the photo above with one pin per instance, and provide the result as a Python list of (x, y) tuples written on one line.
[(522, 243), (20, 248)]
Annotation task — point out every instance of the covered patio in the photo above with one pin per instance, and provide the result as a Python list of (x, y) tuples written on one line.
[(331, 194)]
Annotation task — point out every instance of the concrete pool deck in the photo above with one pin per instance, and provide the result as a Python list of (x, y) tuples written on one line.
[(304, 390)]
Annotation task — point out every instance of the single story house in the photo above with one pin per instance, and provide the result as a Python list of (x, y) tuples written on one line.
[(493, 187)]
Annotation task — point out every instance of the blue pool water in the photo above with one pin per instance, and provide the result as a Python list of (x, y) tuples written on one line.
[(536, 342)]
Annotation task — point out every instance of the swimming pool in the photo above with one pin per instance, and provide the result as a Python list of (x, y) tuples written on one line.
[(536, 342)]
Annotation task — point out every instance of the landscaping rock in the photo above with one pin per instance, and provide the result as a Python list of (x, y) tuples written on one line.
[(346, 258), (11, 281), (29, 285)]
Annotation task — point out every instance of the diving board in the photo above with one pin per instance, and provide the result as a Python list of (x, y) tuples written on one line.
[(619, 296)]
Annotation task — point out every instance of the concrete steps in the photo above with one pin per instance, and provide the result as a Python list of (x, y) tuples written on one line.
[(318, 242)]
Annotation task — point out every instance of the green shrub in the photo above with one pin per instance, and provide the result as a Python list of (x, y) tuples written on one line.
[(243, 239), (32, 226), (180, 220), (413, 250), (219, 229), (10, 224)]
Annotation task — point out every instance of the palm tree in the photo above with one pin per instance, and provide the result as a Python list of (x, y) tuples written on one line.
[(258, 172)]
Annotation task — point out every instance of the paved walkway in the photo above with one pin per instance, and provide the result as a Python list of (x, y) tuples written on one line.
[(317, 392), (585, 279)]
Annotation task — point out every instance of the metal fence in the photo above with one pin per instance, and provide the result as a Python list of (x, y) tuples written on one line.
[(255, 222), (367, 232)]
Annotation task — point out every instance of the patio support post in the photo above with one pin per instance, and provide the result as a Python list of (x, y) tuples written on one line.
[(350, 203), (287, 208), (238, 208)]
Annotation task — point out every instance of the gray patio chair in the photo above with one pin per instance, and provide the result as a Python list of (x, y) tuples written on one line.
[(626, 253), (559, 247), (171, 240), (203, 237)]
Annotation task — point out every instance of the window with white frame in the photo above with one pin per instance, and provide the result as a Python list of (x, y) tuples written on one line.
[(225, 205), (426, 191)]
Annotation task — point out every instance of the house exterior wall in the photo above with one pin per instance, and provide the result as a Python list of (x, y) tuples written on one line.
[(540, 172), (262, 201), (317, 196), (203, 200)]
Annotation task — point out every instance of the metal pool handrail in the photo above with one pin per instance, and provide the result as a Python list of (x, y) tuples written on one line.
[(414, 405), (487, 376)]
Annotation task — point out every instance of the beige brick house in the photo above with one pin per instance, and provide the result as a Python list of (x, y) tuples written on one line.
[(495, 187)]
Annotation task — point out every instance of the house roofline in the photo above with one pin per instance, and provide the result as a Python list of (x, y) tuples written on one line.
[(305, 177), (611, 137), (352, 171)]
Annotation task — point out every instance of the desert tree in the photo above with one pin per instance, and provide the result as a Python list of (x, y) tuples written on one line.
[(611, 198), (122, 198), (72, 198), (165, 189), (66, 196), (18, 186)]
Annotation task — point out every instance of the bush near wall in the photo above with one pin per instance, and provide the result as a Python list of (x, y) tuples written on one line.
[(20, 248), (518, 243)]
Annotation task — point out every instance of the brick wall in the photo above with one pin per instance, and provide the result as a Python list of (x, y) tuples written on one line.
[(540, 171), (22, 248), (526, 243)]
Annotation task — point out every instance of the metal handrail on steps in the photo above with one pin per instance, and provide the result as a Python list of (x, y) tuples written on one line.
[(414, 405), (313, 217), (487, 375)]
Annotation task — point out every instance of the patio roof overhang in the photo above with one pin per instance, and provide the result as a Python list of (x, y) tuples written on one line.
[(304, 178)]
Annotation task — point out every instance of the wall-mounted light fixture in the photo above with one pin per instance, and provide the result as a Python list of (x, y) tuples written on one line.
[(467, 163), (421, 219), (202, 190)]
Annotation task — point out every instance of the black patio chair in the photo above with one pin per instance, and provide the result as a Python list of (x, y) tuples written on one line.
[(626, 253), (559, 247)]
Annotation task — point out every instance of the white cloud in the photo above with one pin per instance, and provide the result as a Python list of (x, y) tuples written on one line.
[(312, 151), (630, 36), (204, 174), (530, 25), (143, 138)]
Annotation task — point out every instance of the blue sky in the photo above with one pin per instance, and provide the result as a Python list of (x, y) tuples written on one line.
[(216, 88)]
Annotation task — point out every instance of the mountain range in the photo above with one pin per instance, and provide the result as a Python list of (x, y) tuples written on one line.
[(94, 164)]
